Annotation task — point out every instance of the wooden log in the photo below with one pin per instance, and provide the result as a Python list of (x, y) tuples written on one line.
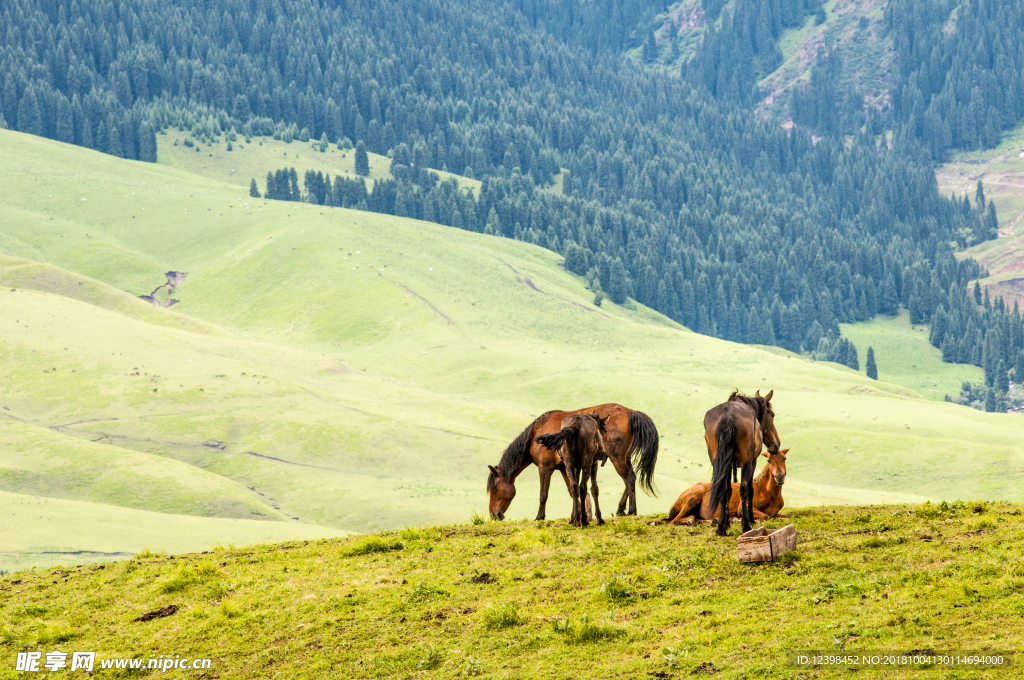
[(758, 545)]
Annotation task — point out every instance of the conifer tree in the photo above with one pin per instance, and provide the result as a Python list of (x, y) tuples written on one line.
[(872, 369), (147, 143), (114, 142), (617, 284), (1002, 377), (362, 160), (253, 189), (30, 120), (65, 124)]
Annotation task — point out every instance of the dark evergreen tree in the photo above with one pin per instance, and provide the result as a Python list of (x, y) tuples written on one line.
[(618, 283), (362, 160), (253, 189), (30, 119), (872, 369)]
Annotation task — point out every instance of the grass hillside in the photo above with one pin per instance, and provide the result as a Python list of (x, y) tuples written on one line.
[(253, 160), (904, 356), (529, 600), (40, 531), (355, 371), (1001, 171)]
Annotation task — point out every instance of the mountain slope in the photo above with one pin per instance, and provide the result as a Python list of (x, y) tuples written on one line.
[(359, 371)]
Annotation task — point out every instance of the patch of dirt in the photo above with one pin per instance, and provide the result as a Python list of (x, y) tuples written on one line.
[(525, 281), (706, 668), (424, 301), (174, 279), (158, 613), (485, 577)]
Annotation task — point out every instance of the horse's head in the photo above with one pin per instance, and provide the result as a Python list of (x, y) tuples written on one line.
[(769, 436), (777, 465), (501, 489), (601, 423)]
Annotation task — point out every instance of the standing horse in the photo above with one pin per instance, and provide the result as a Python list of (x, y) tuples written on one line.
[(580, 444), (734, 433), (694, 504), (630, 442)]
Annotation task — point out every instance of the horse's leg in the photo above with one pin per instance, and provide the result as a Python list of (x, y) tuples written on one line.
[(623, 469), (545, 484), (631, 488), (594, 492), (747, 495), (574, 491), (584, 480)]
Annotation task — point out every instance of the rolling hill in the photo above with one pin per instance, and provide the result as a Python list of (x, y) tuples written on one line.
[(537, 600), (329, 370)]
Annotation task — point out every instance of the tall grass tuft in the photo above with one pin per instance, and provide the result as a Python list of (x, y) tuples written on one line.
[(585, 631), (501, 615), (373, 544)]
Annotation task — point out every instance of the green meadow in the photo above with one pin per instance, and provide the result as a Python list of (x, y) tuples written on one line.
[(329, 370), (531, 600), (904, 356)]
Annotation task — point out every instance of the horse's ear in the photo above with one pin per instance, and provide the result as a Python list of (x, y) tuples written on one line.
[(494, 471), (784, 451), (757, 393), (766, 454), (768, 397)]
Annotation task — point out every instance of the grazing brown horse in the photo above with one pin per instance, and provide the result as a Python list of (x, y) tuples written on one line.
[(630, 442), (734, 432), (580, 445), (694, 504)]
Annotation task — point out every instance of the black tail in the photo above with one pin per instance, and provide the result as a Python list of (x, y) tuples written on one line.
[(555, 440), (725, 453), (645, 450)]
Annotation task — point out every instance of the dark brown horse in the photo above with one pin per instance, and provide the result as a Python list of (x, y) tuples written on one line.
[(694, 504), (580, 445), (630, 442), (734, 433)]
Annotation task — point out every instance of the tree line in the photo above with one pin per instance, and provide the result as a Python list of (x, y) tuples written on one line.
[(686, 202)]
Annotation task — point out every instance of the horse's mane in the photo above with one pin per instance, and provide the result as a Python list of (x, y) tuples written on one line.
[(756, 403), (516, 453)]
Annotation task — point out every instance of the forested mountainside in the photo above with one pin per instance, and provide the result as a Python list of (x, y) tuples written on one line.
[(731, 225)]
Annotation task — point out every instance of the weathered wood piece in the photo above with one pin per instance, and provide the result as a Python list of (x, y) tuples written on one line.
[(760, 545)]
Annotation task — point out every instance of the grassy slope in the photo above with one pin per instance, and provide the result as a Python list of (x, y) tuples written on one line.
[(863, 579), (866, 52), (246, 162), (359, 371), (905, 357), (37, 531), (1001, 170)]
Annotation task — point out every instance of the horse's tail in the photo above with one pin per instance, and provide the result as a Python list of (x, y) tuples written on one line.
[(725, 454), (556, 440), (644, 454)]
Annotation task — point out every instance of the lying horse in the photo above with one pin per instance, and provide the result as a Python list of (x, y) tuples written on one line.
[(734, 433), (694, 504), (580, 444), (630, 442)]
